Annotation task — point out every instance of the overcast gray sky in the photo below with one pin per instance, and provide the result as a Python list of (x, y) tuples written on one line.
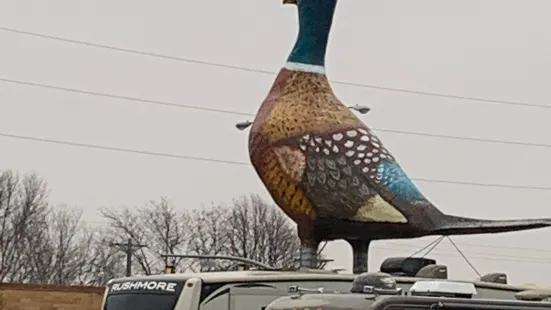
[(495, 49)]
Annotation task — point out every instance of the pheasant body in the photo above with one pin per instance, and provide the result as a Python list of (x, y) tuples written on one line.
[(328, 171), (318, 160)]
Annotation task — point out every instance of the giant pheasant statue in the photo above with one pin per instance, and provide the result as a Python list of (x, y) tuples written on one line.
[(328, 171)]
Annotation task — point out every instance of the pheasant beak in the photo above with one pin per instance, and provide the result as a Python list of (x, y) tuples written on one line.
[(290, 2)]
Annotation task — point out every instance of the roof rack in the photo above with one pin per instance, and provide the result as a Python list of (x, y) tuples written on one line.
[(224, 257), (256, 264)]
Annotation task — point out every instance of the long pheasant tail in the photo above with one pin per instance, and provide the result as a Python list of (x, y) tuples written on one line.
[(455, 225)]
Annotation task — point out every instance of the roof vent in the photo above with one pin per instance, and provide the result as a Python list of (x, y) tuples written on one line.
[(433, 272), (376, 283), (534, 295), (500, 278)]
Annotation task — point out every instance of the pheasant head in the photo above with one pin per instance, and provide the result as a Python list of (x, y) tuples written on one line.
[(301, 98)]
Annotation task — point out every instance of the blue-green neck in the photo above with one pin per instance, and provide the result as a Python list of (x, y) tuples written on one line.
[(315, 19)]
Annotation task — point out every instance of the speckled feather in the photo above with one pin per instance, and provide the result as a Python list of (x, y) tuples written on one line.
[(317, 158), (346, 168)]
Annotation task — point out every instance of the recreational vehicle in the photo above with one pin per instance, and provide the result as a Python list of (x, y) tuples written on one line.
[(256, 289)]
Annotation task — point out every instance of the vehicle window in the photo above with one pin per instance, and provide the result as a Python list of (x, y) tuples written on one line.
[(207, 290), (140, 301), (257, 294)]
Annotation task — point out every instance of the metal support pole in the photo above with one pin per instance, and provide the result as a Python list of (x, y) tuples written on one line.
[(128, 249), (360, 252)]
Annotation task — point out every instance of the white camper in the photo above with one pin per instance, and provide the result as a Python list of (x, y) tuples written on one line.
[(242, 290)]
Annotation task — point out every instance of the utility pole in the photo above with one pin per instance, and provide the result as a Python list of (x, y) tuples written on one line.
[(128, 249)]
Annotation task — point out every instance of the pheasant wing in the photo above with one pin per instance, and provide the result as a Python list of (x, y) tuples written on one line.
[(350, 175)]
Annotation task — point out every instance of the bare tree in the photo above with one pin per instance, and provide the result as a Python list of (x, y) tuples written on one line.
[(209, 236), (23, 205), (158, 225), (250, 228), (167, 227), (47, 244), (262, 232), (51, 244), (103, 262), (59, 247)]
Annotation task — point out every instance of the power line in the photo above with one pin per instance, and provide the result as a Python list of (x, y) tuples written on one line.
[(199, 62), (490, 254), (241, 113), (530, 261), (478, 245), (504, 247), (482, 140), (137, 99), (475, 255), (214, 160), (482, 255), (240, 68), (486, 255), (194, 107), (396, 247), (399, 245), (119, 149)]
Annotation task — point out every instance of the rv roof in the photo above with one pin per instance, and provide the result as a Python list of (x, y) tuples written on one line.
[(250, 276)]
